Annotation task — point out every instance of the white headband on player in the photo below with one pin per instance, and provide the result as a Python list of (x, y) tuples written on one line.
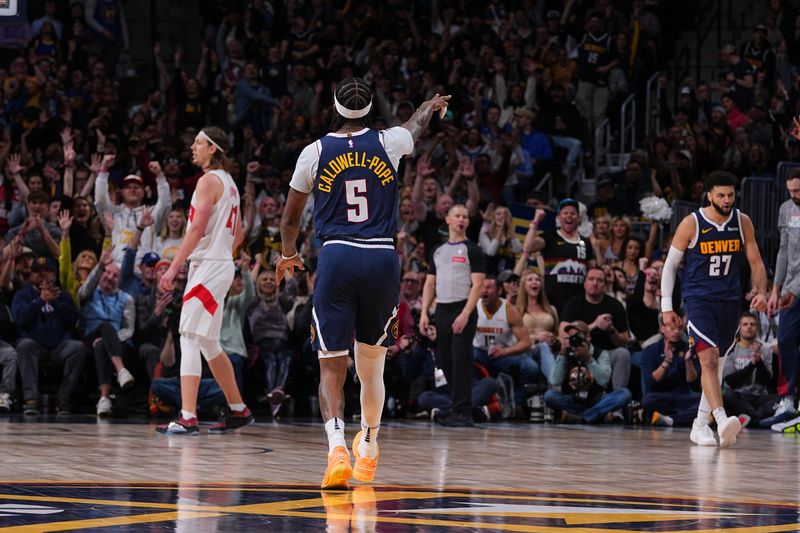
[(350, 113), (202, 135)]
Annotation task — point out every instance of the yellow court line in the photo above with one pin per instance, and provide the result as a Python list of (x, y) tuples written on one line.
[(107, 522), (472, 491), (314, 502)]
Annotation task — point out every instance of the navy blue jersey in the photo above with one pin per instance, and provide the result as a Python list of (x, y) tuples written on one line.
[(714, 259), (355, 188)]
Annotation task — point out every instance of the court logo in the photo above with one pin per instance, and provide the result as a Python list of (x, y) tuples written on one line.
[(395, 329)]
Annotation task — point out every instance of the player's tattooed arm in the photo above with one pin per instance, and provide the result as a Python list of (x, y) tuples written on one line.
[(422, 116)]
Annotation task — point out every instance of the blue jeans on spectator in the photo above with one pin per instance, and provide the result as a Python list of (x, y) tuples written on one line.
[(210, 395), (591, 413), (681, 407), (546, 359), (573, 147), (276, 355), (522, 368), (482, 390), (238, 361), (788, 341), (168, 390)]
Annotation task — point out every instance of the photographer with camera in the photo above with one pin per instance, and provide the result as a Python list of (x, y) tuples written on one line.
[(583, 372), (607, 321), (670, 372)]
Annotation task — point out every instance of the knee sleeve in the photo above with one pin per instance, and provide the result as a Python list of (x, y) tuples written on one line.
[(369, 361), (210, 348), (190, 356)]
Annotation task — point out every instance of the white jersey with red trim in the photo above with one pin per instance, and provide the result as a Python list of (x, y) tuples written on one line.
[(217, 242)]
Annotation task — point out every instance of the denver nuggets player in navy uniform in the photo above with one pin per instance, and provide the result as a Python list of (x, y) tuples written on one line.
[(714, 241), (353, 174)]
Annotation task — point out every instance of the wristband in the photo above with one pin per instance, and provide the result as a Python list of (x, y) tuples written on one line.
[(290, 257), (140, 228)]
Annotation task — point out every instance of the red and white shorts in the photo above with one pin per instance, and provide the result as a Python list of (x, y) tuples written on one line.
[(206, 287)]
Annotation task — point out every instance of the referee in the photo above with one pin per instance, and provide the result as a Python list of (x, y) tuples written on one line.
[(455, 277)]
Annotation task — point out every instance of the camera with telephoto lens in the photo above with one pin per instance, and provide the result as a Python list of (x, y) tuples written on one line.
[(576, 340)]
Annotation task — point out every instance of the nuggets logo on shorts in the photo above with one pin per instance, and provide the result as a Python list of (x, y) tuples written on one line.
[(396, 329), (313, 333)]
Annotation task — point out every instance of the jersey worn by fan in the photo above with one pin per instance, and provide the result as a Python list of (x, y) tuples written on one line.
[(354, 180), (493, 329)]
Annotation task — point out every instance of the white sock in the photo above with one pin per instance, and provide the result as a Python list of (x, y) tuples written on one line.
[(703, 410), (187, 415), (668, 421), (368, 447), (335, 430), (236, 406), (720, 415)]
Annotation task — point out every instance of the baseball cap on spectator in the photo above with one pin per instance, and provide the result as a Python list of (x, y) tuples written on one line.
[(25, 252), (44, 264), (686, 90), (506, 276), (150, 258), (578, 325), (760, 27), (132, 179), (566, 202), (603, 180), (162, 262), (525, 112), (719, 108), (686, 154), (553, 14)]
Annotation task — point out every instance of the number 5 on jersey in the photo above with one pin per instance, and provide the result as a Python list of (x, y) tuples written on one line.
[(360, 210)]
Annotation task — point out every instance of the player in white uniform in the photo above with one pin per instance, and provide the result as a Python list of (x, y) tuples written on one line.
[(214, 230)]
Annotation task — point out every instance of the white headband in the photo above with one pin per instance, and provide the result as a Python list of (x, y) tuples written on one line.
[(202, 135), (350, 113)]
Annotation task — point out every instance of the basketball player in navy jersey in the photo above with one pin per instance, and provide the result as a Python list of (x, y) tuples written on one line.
[(353, 174), (714, 241)]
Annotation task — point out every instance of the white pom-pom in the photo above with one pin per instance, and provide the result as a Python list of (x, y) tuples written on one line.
[(656, 209)]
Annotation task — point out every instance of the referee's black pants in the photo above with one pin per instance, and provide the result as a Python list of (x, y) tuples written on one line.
[(454, 354)]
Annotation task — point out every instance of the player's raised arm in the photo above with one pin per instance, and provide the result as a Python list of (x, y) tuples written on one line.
[(290, 228), (422, 116), (758, 273), (680, 242)]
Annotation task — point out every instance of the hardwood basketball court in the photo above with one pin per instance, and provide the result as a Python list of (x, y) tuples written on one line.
[(82, 474)]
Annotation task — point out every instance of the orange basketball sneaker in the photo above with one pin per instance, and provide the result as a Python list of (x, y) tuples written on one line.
[(365, 467), (339, 470)]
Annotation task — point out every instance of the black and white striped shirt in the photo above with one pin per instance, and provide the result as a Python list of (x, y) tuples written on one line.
[(453, 264)]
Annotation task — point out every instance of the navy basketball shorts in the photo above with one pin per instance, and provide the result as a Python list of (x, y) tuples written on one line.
[(356, 293), (712, 324)]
